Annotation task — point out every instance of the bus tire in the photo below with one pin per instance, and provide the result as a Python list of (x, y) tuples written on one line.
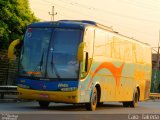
[(43, 104), (99, 104), (126, 104), (134, 102), (93, 102)]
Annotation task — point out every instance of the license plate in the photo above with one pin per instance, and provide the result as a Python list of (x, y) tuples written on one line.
[(43, 96)]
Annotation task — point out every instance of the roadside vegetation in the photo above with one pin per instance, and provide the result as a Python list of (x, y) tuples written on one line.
[(15, 15)]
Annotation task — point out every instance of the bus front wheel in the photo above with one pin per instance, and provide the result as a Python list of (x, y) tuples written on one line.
[(93, 102), (43, 104)]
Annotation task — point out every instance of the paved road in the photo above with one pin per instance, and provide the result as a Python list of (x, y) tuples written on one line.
[(31, 110)]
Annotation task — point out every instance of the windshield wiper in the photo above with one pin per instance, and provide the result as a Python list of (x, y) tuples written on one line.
[(39, 66), (41, 62), (54, 67)]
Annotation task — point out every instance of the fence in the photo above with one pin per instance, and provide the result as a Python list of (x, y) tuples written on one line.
[(8, 69)]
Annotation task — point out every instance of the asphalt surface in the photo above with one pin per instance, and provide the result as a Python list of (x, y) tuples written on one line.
[(28, 110)]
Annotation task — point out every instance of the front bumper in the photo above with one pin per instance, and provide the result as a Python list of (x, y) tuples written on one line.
[(53, 96)]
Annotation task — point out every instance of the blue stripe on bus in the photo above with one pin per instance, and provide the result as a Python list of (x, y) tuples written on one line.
[(46, 85)]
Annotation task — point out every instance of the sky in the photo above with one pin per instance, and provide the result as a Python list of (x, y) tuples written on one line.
[(139, 19)]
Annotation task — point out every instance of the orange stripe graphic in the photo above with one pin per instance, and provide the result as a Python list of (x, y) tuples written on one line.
[(116, 72)]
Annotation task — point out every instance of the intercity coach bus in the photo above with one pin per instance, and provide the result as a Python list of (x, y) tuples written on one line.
[(71, 61)]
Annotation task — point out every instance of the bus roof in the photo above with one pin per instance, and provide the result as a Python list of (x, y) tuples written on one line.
[(78, 24), (69, 24)]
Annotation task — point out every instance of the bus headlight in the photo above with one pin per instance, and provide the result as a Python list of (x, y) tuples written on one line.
[(23, 86), (69, 89)]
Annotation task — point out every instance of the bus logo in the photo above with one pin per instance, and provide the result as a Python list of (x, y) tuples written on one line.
[(62, 85)]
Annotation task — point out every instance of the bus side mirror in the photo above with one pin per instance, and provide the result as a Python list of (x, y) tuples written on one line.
[(80, 52), (11, 49)]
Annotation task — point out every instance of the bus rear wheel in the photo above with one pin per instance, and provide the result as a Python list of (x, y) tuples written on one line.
[(126, 104), (43, 104), (93, 103), (134, 102)]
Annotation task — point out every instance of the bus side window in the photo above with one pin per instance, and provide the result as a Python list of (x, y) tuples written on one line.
[(88, 39), (128, 51), (139, 53), (100, 42), (116, 47)]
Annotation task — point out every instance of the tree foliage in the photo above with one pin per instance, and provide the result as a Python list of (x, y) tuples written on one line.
[(15, 15)]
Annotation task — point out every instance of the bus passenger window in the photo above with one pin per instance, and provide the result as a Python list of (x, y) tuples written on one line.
[(100, 39)]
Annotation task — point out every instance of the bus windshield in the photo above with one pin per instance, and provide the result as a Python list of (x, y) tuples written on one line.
[(50, 53)]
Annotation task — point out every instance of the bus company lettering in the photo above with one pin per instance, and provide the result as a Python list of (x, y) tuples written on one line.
[(62, 85)]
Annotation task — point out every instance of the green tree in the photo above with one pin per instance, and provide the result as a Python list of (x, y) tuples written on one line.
[(15, 15)]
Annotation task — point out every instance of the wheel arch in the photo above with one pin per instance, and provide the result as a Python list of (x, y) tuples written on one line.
[(138, 89), (98, 87), (138, 92)]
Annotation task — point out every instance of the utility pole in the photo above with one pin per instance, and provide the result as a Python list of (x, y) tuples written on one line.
[(158, 52), (52, 14)]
